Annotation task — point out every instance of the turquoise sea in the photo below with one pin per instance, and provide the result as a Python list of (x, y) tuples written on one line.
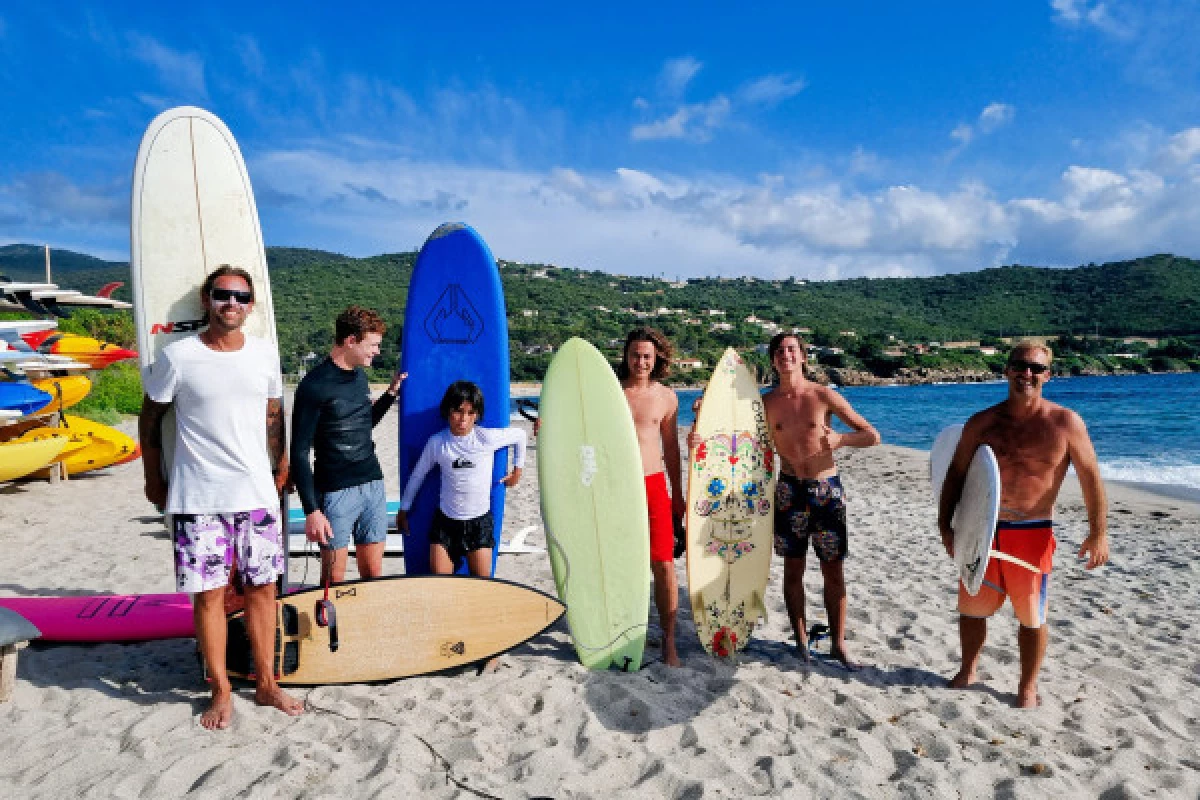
[(1146, 428)]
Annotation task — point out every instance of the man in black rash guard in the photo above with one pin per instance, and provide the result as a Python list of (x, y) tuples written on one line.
[(333, 416)]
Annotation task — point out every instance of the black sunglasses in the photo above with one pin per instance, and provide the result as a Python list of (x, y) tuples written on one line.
[(230, 295), (1032, 366)]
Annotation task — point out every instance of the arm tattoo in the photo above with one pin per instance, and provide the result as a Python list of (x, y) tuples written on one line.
[(150, 423), (276, 435)]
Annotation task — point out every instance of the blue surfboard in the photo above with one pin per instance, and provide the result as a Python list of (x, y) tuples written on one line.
[(22, 397), (455, 329)]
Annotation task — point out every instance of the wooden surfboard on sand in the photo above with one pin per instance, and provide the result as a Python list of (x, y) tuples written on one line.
[(594, 506), (731, 497), (396, 627)]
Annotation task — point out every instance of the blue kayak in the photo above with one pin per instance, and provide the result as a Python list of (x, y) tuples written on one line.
[(22, 397)]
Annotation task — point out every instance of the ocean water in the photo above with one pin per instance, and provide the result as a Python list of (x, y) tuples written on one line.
[(1146, 428)]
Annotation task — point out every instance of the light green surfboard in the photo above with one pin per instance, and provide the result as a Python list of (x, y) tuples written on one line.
[(594, 507)]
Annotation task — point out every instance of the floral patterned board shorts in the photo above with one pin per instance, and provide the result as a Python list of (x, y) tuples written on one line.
[(810, 509), (208, 545)]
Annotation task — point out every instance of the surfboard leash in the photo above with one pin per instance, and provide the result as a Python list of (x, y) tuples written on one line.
[(447, 767)]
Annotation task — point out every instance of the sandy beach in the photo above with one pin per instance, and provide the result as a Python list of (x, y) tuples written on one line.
[(1121, 685)]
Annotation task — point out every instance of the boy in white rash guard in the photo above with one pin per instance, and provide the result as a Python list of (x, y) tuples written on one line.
[(464, 453)]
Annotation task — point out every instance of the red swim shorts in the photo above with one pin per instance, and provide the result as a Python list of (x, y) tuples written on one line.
[(662, 525), (1032, 542)]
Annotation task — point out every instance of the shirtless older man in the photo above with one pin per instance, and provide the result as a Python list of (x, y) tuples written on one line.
[(1035, 441), (809, 500), (647, 358)]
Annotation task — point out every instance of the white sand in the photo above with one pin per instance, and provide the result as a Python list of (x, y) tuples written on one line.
[(1121, 686)]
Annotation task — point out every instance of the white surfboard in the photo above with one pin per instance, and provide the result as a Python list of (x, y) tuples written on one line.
[(193, 210), (978, 510)]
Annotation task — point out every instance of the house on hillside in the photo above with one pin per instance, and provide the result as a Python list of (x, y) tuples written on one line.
[(687, 363)]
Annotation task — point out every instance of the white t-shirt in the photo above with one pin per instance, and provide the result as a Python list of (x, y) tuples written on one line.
[(466, 464), (221, 462)]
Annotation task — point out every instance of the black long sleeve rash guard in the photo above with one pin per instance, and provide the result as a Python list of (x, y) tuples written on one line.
[(333, 416)]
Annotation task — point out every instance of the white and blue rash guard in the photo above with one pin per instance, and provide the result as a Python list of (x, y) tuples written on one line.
[(466, 464)]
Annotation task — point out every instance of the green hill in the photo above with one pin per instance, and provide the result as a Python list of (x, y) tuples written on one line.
[(1154, 296)]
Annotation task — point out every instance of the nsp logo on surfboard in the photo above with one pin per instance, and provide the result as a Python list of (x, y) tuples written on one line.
[(186, 326)]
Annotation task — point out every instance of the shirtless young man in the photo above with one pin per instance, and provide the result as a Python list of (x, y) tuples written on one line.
[(647, 357), (1035, 441), (809, 501), (222, 495)]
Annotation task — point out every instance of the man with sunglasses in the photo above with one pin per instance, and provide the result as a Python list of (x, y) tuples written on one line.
[(222, 495), (1035, 442), (343, 495)]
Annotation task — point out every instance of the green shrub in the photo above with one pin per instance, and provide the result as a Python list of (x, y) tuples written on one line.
[(105, 416), (118, 388)]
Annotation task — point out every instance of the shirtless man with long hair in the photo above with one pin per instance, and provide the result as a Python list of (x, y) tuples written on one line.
[(645, 363)]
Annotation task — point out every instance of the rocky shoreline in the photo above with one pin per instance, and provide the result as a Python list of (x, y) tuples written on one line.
[(911, 376)]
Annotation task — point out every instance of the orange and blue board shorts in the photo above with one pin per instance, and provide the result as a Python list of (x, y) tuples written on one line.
[(1031, 541)]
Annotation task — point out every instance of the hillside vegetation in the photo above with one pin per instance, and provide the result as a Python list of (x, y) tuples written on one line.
[(879, 325)]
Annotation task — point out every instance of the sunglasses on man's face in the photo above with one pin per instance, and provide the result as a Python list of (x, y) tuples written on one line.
[(231, 296), (1032, 366)]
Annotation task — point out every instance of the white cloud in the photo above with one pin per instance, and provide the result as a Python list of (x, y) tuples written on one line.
[(994, 116), (696, 121), (864, 162), (771, 90), (251, 56), (368, 197), (676, 74), (1182, 148), (182, 73), (646, 221), (1097, 14)]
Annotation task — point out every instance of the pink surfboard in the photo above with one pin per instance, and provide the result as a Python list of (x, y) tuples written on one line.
[(107, 618)]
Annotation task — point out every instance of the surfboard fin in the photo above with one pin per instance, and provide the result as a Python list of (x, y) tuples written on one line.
[(757, 602)]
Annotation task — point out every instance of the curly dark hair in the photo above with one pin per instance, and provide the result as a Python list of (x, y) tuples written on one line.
[(662, 352), (461, 392), (357, 321)]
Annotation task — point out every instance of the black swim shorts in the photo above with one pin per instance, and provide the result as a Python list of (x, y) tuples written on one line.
[(810, 509), (461, 536)]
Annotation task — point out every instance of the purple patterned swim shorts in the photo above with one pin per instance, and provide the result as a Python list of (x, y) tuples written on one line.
[(207, 546)]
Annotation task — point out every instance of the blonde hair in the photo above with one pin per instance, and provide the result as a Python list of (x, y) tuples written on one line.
[(1028, 346)]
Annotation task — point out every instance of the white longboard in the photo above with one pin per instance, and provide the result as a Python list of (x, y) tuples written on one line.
[(193, 210), (978, 509)]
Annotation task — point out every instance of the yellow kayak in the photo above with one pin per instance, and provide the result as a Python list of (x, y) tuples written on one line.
[(20, 458), (66, 392), (99, 445)]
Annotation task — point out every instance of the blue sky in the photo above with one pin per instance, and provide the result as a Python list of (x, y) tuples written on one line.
[(820, 140)]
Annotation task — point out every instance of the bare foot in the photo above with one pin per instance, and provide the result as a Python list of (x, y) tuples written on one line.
[(1028, 698), (669, 656), (962, 680), (490, 666), (276, 697), (220, 711), (838, 654)]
